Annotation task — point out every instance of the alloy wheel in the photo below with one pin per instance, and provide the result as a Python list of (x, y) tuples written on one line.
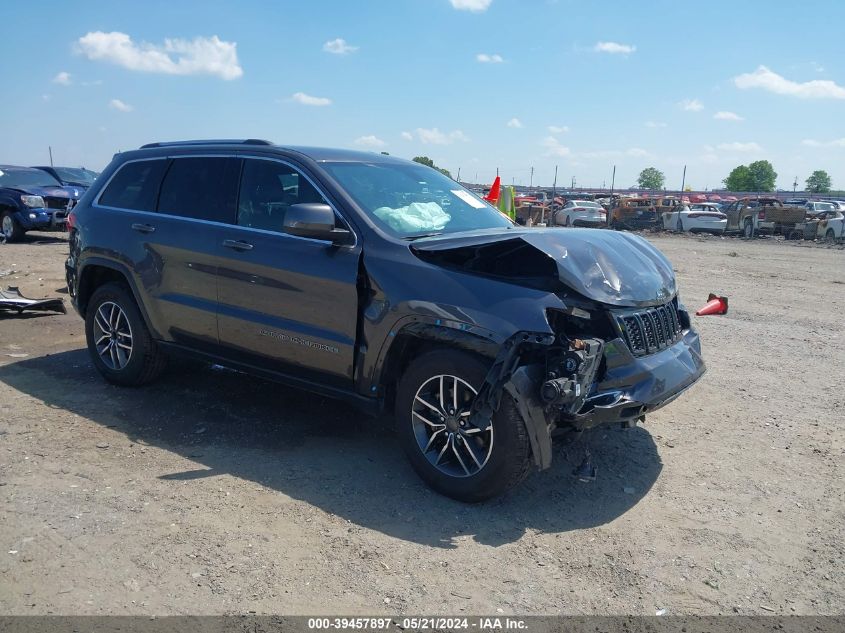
[(440, 416), (8, 227), (112, 335)]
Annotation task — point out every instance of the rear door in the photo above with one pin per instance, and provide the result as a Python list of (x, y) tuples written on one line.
[(165, 211), (197, 199), (286, 303)]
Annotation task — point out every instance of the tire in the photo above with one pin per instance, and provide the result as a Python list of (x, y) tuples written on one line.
[(112, 308), (504, 454), (680, 225), (830, 236), (567, 222), (10, 230), (748, 230)]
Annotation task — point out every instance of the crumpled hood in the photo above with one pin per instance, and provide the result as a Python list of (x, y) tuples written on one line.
[(611, 267), (51, 192)]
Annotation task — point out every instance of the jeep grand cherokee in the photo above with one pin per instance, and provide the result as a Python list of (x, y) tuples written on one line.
[(383, 282)]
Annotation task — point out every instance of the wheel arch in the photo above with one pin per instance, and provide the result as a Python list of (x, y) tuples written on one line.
[(416, 338), (97, 272)]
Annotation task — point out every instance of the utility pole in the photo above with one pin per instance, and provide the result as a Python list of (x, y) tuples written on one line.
[(684, 179), (50, 149), (475, 182), (497, 172), (612, 182), (531, 182), (794, 184), (459, 174), (554, 184), (572, 186)]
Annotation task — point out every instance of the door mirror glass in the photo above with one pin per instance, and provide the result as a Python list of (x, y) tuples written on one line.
[(315, 220)]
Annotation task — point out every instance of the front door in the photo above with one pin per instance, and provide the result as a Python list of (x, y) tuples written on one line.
[(285, 303)]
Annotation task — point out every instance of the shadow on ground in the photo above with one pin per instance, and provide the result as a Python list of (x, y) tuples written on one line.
[(322, 452)]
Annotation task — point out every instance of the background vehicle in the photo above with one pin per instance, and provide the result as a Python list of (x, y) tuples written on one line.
[(71, 176), (666, 204), (763, 215), (704, 217), (830, 227), (633, 213), (581, 213), (31, 200), (379, 281), (816, 207)]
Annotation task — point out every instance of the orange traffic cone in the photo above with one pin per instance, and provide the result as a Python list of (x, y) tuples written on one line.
[(493, 196), (714, 305)]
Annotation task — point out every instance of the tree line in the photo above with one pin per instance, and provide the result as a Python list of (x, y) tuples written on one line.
[(756, 176)]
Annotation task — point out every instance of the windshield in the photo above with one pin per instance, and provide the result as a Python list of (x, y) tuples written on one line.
[(74, 176), (411, 200), (23, 178)]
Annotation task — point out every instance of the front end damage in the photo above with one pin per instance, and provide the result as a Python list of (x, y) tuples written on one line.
[(620, 345)]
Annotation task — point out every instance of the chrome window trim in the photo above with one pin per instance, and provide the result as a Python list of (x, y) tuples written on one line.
[(320, 189)]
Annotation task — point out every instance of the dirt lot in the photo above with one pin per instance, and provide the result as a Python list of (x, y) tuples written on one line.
[(214, 492)]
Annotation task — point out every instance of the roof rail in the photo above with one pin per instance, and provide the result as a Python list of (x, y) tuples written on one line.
[(249, 141)]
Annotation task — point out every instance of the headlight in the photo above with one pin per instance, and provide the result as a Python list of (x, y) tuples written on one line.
[(36, 202), (32, 216)]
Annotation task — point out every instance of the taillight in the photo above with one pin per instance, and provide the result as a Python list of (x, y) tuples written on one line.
[(761, 215), (71, 220)]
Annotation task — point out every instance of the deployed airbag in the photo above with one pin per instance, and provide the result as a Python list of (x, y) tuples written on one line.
[(414, 218)]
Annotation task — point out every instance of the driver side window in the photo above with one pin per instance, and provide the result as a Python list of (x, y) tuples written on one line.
[(268, 189)]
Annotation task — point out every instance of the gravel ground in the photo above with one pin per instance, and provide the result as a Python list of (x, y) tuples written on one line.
[(214, 492)]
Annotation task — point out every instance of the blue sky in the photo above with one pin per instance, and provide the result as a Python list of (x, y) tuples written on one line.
[(474, 84)]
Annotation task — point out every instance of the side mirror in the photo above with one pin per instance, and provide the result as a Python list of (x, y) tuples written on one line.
[(315, 220)]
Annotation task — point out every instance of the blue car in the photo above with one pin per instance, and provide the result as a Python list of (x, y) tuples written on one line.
[(32, 200)]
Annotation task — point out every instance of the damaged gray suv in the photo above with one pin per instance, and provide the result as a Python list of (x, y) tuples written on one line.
[(385, 283)]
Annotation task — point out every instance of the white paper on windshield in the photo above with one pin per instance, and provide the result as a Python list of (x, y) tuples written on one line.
[(470, 199)]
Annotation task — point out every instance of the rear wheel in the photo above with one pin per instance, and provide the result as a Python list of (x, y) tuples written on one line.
[(10, 230), (567, 222), (118, 340), (830, 236), (456, 459)]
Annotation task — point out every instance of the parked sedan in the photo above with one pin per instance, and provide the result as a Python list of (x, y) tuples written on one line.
[(704, 217), (581, 213)]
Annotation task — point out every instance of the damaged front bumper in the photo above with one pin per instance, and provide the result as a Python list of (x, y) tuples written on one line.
[(608, 384)]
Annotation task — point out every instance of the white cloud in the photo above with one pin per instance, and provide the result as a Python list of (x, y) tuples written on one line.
[(62, 79), (339, 46), (370, 141), (614, 48), (728, 116), (514, 122), (739, 147), (199, 56), (839, 142), (117, 104), (45, 97), (655, 124), (476, 6), (558, 129), (434, 136), (637, 152), (691, 105), (407, 136), (484, 58), (554, 148), (769, 80), (309, 100)]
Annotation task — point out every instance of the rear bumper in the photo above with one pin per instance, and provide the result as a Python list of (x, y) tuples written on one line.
[(634, 386)]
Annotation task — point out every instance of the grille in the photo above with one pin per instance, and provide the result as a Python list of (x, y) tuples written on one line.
[(55, 203), (651, 330)]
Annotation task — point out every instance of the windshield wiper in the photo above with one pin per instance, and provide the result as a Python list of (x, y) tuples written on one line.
[(416, 237)]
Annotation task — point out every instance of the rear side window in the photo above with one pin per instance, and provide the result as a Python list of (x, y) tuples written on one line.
[(135, 186), (201, 188)]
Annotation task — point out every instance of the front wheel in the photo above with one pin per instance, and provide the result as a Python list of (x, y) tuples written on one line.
[(10, 230), (830, 236), (456, 459), (119, 342)]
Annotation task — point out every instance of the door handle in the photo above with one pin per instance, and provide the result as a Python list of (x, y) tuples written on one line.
[(143, 228), (237, 245)]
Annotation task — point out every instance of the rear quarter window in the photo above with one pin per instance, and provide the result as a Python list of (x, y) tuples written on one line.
[(135, 185)]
